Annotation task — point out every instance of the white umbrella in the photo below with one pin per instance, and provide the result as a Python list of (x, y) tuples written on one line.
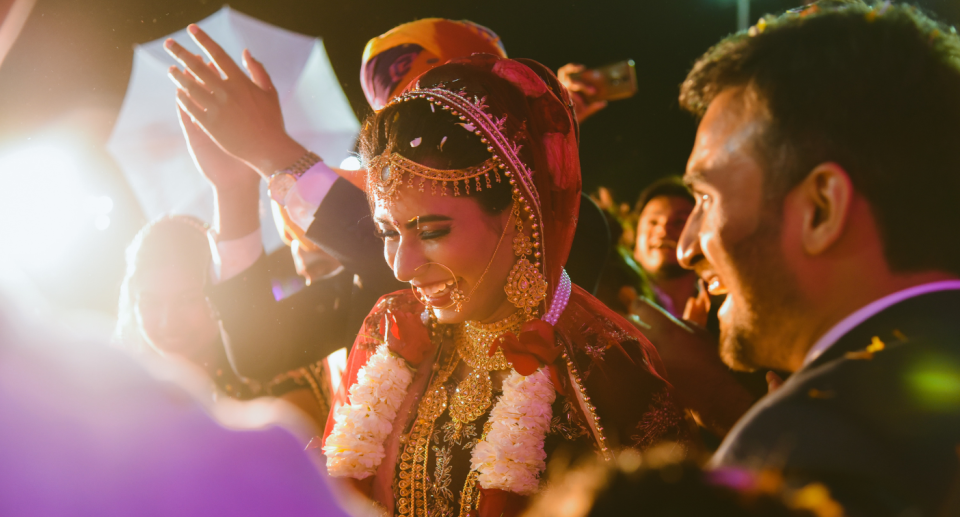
[(150, 148)]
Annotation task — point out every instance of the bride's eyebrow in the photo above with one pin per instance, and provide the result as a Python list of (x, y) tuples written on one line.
[(421, 219)]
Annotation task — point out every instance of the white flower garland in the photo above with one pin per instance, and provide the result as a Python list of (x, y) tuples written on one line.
[(355, 446), (511, 457)]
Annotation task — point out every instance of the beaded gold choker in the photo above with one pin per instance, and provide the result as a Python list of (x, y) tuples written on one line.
[(386, 174)]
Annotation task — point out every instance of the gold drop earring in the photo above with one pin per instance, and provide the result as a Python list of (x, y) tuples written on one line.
[(526, 286)]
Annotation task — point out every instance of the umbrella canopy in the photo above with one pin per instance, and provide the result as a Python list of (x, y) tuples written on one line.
[(149, 147)]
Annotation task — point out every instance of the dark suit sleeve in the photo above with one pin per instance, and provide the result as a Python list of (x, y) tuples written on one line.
[(591, 244), (265, 337), (344, 228)]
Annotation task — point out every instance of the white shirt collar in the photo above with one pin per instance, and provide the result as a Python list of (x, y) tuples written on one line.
[(871, 309)]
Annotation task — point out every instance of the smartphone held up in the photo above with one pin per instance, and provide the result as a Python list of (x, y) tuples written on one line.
[(612, 82)]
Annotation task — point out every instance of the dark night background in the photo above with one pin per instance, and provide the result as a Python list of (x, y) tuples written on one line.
[(70, 66)]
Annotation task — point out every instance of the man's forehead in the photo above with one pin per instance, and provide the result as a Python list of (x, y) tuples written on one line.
[(728, 131)]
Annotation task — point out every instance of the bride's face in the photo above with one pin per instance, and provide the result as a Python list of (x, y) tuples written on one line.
[(421, 230)]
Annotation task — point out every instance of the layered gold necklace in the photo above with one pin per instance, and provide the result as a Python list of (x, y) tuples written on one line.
[(474, 394)]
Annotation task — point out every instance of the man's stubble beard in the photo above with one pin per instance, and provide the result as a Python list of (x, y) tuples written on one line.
[(764, 309)]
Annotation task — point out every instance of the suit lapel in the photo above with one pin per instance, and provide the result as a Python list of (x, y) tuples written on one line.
[(925, 315)]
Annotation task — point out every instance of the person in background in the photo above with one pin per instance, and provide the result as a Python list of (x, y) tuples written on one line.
[(164, 312), (714, 395), (646, 265), (164, 309), (664, 289), (825, 174), (662, 210)]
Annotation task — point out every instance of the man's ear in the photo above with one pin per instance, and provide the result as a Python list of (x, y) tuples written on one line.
[(826, 194)]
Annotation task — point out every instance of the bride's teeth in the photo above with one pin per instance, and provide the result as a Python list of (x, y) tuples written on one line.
[(430, 290)]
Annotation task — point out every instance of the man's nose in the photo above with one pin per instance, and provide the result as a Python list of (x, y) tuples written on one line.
[(688, 246)]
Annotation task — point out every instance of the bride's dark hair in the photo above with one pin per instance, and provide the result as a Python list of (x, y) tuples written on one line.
[(430, 136)]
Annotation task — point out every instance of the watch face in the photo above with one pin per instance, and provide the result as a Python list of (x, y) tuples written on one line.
[(280, 185)]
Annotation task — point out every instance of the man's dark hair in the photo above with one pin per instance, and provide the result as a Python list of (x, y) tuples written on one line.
[(874, 89), (670, 186)]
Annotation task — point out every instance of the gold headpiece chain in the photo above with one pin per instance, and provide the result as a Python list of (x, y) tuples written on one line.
[(385, 175)]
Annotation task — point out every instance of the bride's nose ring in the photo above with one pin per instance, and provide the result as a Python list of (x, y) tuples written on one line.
[(457, 298)]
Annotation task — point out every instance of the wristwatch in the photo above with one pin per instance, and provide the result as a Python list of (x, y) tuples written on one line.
[(282, 181)]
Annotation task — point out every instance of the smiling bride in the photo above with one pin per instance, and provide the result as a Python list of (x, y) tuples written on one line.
[(460, 389)]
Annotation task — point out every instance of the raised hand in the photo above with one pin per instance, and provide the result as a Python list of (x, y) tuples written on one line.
[(236, 185), (579, 91), (224, 171), (240, 113)]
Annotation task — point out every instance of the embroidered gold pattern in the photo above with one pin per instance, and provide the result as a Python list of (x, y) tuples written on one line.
[(565, 424), (441, 481), (415, 455), (463, 435)]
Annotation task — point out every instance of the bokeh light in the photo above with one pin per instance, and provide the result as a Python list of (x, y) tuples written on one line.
[(42, 203), (935, 382), (350, 163), (46, 206)]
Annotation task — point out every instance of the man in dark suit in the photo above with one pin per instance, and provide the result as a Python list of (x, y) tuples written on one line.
[(827, 171)]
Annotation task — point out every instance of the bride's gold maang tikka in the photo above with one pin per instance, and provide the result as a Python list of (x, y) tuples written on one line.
[(386, 174)]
